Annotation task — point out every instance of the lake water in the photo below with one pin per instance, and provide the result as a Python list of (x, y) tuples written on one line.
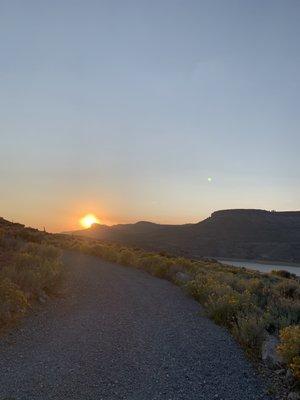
[(262, 267)]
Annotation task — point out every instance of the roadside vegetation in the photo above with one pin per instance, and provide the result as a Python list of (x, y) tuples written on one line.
[(30, 270), (251, 305)]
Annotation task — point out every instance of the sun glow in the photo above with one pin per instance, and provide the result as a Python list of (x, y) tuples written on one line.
[(88, 220)]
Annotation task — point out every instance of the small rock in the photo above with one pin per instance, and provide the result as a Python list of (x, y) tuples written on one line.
[(294, 396), (269, 353), (183, 276)]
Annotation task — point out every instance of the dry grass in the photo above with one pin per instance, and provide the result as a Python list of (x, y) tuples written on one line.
[(27, 270)]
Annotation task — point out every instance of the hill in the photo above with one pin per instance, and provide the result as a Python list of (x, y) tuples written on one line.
[(238, 233)]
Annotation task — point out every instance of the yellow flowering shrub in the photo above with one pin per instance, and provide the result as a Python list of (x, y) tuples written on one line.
[(289, 348)]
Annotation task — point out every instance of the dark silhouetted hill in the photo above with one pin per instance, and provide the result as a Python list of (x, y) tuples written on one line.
[(244, 234)]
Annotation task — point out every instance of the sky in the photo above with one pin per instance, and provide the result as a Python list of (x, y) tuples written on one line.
[(161, 110)]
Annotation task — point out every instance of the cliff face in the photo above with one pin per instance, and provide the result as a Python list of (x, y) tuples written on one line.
[(249, 234)]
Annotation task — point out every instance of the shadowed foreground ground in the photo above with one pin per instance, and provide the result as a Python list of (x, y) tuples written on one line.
[(122, 334)]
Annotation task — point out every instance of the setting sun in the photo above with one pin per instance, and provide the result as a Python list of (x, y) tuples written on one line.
[(88, 220)]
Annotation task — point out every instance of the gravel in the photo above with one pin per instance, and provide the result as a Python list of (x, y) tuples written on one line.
[(119, 333)]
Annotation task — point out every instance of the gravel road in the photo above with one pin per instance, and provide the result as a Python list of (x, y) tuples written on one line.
[(119, 333)]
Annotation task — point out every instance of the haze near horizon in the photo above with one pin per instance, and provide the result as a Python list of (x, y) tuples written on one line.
[(161, 111)]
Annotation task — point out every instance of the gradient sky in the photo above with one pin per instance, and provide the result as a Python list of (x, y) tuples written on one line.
[(126, 108)]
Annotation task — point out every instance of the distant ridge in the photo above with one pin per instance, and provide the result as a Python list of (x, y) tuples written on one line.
[(236, 233), (244, 211)]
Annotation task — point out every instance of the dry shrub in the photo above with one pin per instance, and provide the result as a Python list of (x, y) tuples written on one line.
[(288, 288), (13, 302), (283, 274), (250, 332), (224, 305), (126, 257), (281, 312), (289, 348), (37, 268)]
